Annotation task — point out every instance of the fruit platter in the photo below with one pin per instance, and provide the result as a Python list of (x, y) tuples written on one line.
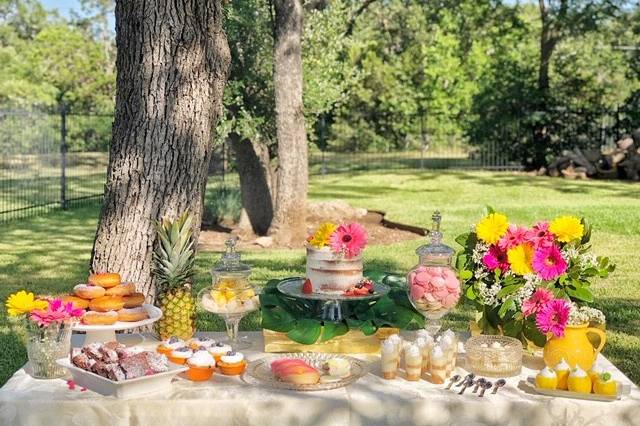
[(306, 371)]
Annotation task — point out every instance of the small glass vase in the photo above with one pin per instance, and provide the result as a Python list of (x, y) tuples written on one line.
[(45, 345)]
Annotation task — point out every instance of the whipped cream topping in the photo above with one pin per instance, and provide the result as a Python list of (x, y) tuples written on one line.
[(207, 342), (183, 352), (437, 352), (597, 369), (219, 349), (562, 366), (547, 373), (578, 372), (449, 333), (412, 351), (424, 334), (395, 338), (202, 359), (388, 347), (173, 342), (232, 357), (420, 342)]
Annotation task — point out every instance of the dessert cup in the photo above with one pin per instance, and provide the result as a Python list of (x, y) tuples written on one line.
[(199, 374), (232, 369), (413, 362), (390, 358)]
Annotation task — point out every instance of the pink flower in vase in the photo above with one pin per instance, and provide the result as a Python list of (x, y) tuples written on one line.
[(553, 317), (539, 235), (549, 263), (496, 258), (536, 302), (57, 311), (515, 236), (348, 239)]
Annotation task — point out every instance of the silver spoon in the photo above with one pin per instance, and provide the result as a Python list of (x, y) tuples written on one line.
[(487, 385), (467, 383), (453, 380), (479, 382), (469, 376), (500, 383)]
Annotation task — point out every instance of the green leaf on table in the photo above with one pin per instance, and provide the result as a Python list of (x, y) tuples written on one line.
[(269, 300), (333, 329), (305, 331), (368, 328), (277, 319)]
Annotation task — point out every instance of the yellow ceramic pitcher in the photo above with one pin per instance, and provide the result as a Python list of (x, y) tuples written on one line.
[(574, 347)]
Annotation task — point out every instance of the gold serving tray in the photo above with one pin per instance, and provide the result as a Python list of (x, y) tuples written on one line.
[(351, 343)]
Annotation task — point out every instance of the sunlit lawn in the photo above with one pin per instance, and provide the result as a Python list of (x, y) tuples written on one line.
[(51, 253)]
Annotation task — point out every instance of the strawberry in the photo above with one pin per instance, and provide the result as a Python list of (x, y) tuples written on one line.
[(307, 288)]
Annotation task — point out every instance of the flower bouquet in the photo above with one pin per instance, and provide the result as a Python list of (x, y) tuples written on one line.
[(511, 272), (45, 328), (346, 239)]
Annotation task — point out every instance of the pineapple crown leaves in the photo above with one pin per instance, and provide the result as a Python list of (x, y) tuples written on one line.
[(174, 256)]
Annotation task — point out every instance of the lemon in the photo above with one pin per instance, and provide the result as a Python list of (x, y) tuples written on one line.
[(563, 376), (603, 385), (219, 297), (547, 379), (579, 381), (246, 295)]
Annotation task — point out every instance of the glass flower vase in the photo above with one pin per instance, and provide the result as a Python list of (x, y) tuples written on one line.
[(45, 345)]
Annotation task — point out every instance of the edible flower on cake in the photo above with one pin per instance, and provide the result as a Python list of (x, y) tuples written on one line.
[(562, 370), (547, 379), (579, 381), (605, 385), (201, 365), (232, 363), (180, 355)]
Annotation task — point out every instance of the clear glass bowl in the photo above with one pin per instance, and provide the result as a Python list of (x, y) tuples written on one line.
[(494, 356)]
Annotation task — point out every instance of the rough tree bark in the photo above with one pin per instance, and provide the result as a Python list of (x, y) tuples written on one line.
[(288, 225), (548, 42), (172, 64), (256, 181)]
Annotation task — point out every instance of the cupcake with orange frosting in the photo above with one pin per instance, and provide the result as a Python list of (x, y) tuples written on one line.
[(180, 355), (218, 350), (167, 346), (232, 364), (201, 365)]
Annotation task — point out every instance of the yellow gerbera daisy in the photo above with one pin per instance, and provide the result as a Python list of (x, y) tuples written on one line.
[(492, 228), (322, 235), (521, 258), (567, 228), (21, 303)]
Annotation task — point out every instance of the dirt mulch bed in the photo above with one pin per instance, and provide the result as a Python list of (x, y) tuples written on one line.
[(379, 230)]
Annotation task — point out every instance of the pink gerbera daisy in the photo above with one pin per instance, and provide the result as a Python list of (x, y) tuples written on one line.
[(348, 239), (539, 235), (515, 236), (553, 317), (496, 258), (536, 302), (57, 311), (549, 263)]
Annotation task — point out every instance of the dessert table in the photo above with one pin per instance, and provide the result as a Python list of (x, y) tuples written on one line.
[(370, 401)]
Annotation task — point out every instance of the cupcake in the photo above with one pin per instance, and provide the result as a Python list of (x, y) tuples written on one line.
[(201, 365), (198, 342), (232, 364), (547, 379), (389, 357), (167, 346), (562, 371), (180, 355), (579, 381), (219, 349)]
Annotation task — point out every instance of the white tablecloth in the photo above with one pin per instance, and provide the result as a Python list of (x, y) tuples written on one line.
[(370, 401)]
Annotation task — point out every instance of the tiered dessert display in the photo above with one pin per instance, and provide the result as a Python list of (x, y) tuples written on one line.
[(433, 287), (231, 296), (111, 306)]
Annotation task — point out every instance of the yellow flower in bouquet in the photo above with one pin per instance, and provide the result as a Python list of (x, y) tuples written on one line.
[(521, 258), (23, 303), (492, 228), (322, 235), (567, 228)]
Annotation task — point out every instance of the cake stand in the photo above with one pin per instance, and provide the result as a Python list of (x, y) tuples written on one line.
[(107, 333), (332, 302)]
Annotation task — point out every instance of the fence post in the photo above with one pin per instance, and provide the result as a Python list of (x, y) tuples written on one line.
[(63, 156)]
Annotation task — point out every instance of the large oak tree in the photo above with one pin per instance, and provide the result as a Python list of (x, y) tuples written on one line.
[(172, 63)]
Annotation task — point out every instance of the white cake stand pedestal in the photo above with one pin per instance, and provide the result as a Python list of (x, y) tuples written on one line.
[(107, 333)]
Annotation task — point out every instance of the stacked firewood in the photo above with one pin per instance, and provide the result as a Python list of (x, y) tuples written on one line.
[(619, 162)]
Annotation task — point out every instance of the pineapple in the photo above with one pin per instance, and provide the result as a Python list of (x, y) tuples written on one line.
[(173, 269)]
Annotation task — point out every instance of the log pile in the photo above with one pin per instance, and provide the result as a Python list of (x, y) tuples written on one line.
[(620, 162)]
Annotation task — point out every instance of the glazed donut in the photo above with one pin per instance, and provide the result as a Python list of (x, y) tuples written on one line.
[(78, 302), (100, 318), (86, 291), (106, 279), (107, 303), (124, 289), (132, 315), (134, 300)]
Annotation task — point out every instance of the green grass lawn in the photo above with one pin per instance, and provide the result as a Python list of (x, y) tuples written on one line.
[(51, 253)]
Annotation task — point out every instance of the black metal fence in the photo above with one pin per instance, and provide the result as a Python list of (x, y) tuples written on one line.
[(50, 161)]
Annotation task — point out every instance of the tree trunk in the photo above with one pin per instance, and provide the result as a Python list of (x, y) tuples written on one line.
[(253, 164), (288, 226), (172, 63)]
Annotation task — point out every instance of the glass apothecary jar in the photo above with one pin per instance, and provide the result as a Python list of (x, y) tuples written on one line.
[(432, 285)]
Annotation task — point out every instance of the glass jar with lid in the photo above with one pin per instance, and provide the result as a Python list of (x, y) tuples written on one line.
[(432, 285)]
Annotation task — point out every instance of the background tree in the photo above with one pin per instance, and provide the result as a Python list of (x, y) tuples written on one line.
[(172, 64)]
